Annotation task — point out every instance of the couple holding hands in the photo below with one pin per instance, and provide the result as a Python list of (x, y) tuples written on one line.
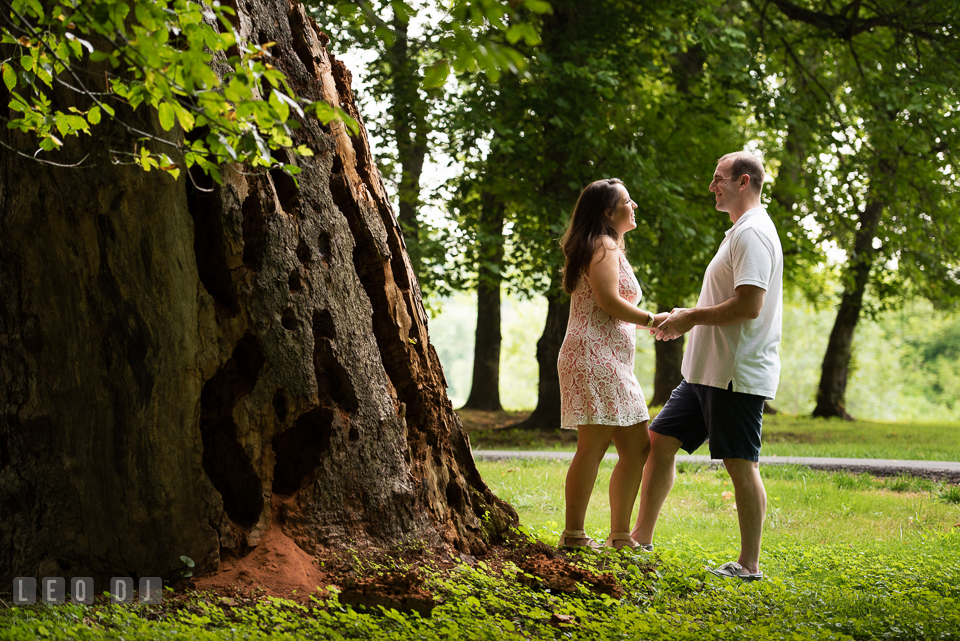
[(730, 366)]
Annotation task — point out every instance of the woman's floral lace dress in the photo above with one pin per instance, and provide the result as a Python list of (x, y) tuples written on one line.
[(597, 383)]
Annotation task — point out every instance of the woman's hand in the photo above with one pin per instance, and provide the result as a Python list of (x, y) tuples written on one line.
[(657, 321)]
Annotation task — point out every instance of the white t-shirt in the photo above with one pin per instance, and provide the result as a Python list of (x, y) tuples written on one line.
[(746, 353)]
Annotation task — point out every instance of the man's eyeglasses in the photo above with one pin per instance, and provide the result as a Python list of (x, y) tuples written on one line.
[(720, 179)]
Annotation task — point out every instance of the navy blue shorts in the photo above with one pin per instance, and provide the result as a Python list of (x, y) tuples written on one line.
[(732, 421)]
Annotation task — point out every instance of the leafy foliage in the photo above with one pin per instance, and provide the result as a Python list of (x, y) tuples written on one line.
[(863, 104), (181, 58)]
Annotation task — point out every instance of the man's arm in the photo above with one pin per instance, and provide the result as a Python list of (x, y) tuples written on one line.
[(745, 304)]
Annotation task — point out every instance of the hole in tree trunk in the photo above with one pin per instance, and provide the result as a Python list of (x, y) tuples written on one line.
[(208, 245), (304, 254), (300, 449), (224, 459), (323, 326), (295, 283), (455, 496), (254, 229), (333, 381), (284, 185), (354, 434), (280, 406), (323, 247), (289, 319)]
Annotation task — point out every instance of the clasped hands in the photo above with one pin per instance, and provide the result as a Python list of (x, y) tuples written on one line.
[(667, 327)]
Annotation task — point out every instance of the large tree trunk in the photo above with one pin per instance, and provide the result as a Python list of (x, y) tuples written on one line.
[(485, 388), (546, 416), (669, 357), (183, 371), (836, 362)]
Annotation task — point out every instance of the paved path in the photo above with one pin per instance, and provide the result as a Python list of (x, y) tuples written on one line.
[(942, 470)]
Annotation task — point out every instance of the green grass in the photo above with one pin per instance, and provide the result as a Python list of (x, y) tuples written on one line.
[(785, 435), (846, 557), (804, 507)]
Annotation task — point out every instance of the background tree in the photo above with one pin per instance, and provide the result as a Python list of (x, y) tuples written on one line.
[(878, 120), (196, 366), (691, 116)]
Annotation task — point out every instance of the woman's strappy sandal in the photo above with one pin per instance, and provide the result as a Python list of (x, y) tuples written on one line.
[(627, 542), (576, 535)]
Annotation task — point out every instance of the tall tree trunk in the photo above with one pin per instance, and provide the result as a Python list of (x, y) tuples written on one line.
[(546, 416), (669, 357), (686, 67), (184, 371), (559, 193), (836, 362), (485, 389), (408, 113)]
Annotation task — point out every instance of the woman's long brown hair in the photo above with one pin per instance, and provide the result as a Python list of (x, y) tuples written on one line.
[(588, 225)]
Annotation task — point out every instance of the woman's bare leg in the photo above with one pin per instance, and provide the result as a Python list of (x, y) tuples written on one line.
[(592, 443), (633, 446)]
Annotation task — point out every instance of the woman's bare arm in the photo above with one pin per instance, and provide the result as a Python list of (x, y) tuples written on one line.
[(604, 274)]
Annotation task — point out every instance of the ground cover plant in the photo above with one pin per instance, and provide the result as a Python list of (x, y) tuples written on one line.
[(783, 435), (846, 557)]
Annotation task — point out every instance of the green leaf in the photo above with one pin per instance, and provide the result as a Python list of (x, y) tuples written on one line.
[(93, 116), (9, 76), (167, 116), (436, 74), (283, 110), (184, 116), (538, 6)]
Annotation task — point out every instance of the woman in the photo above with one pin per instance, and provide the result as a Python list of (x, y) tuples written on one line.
[(600, 395)]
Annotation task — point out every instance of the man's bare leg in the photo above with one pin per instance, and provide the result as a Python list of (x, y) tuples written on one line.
[(658, 476), (751, 500)]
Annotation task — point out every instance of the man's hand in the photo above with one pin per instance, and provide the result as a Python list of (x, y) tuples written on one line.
[(675, 325)]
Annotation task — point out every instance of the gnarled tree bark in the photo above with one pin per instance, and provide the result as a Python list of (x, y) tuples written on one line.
[(182, 370)]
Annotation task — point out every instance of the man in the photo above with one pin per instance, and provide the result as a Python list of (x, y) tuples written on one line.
[(731, 364)]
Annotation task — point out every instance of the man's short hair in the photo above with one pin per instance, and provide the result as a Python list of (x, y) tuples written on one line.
[(746, 163)]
